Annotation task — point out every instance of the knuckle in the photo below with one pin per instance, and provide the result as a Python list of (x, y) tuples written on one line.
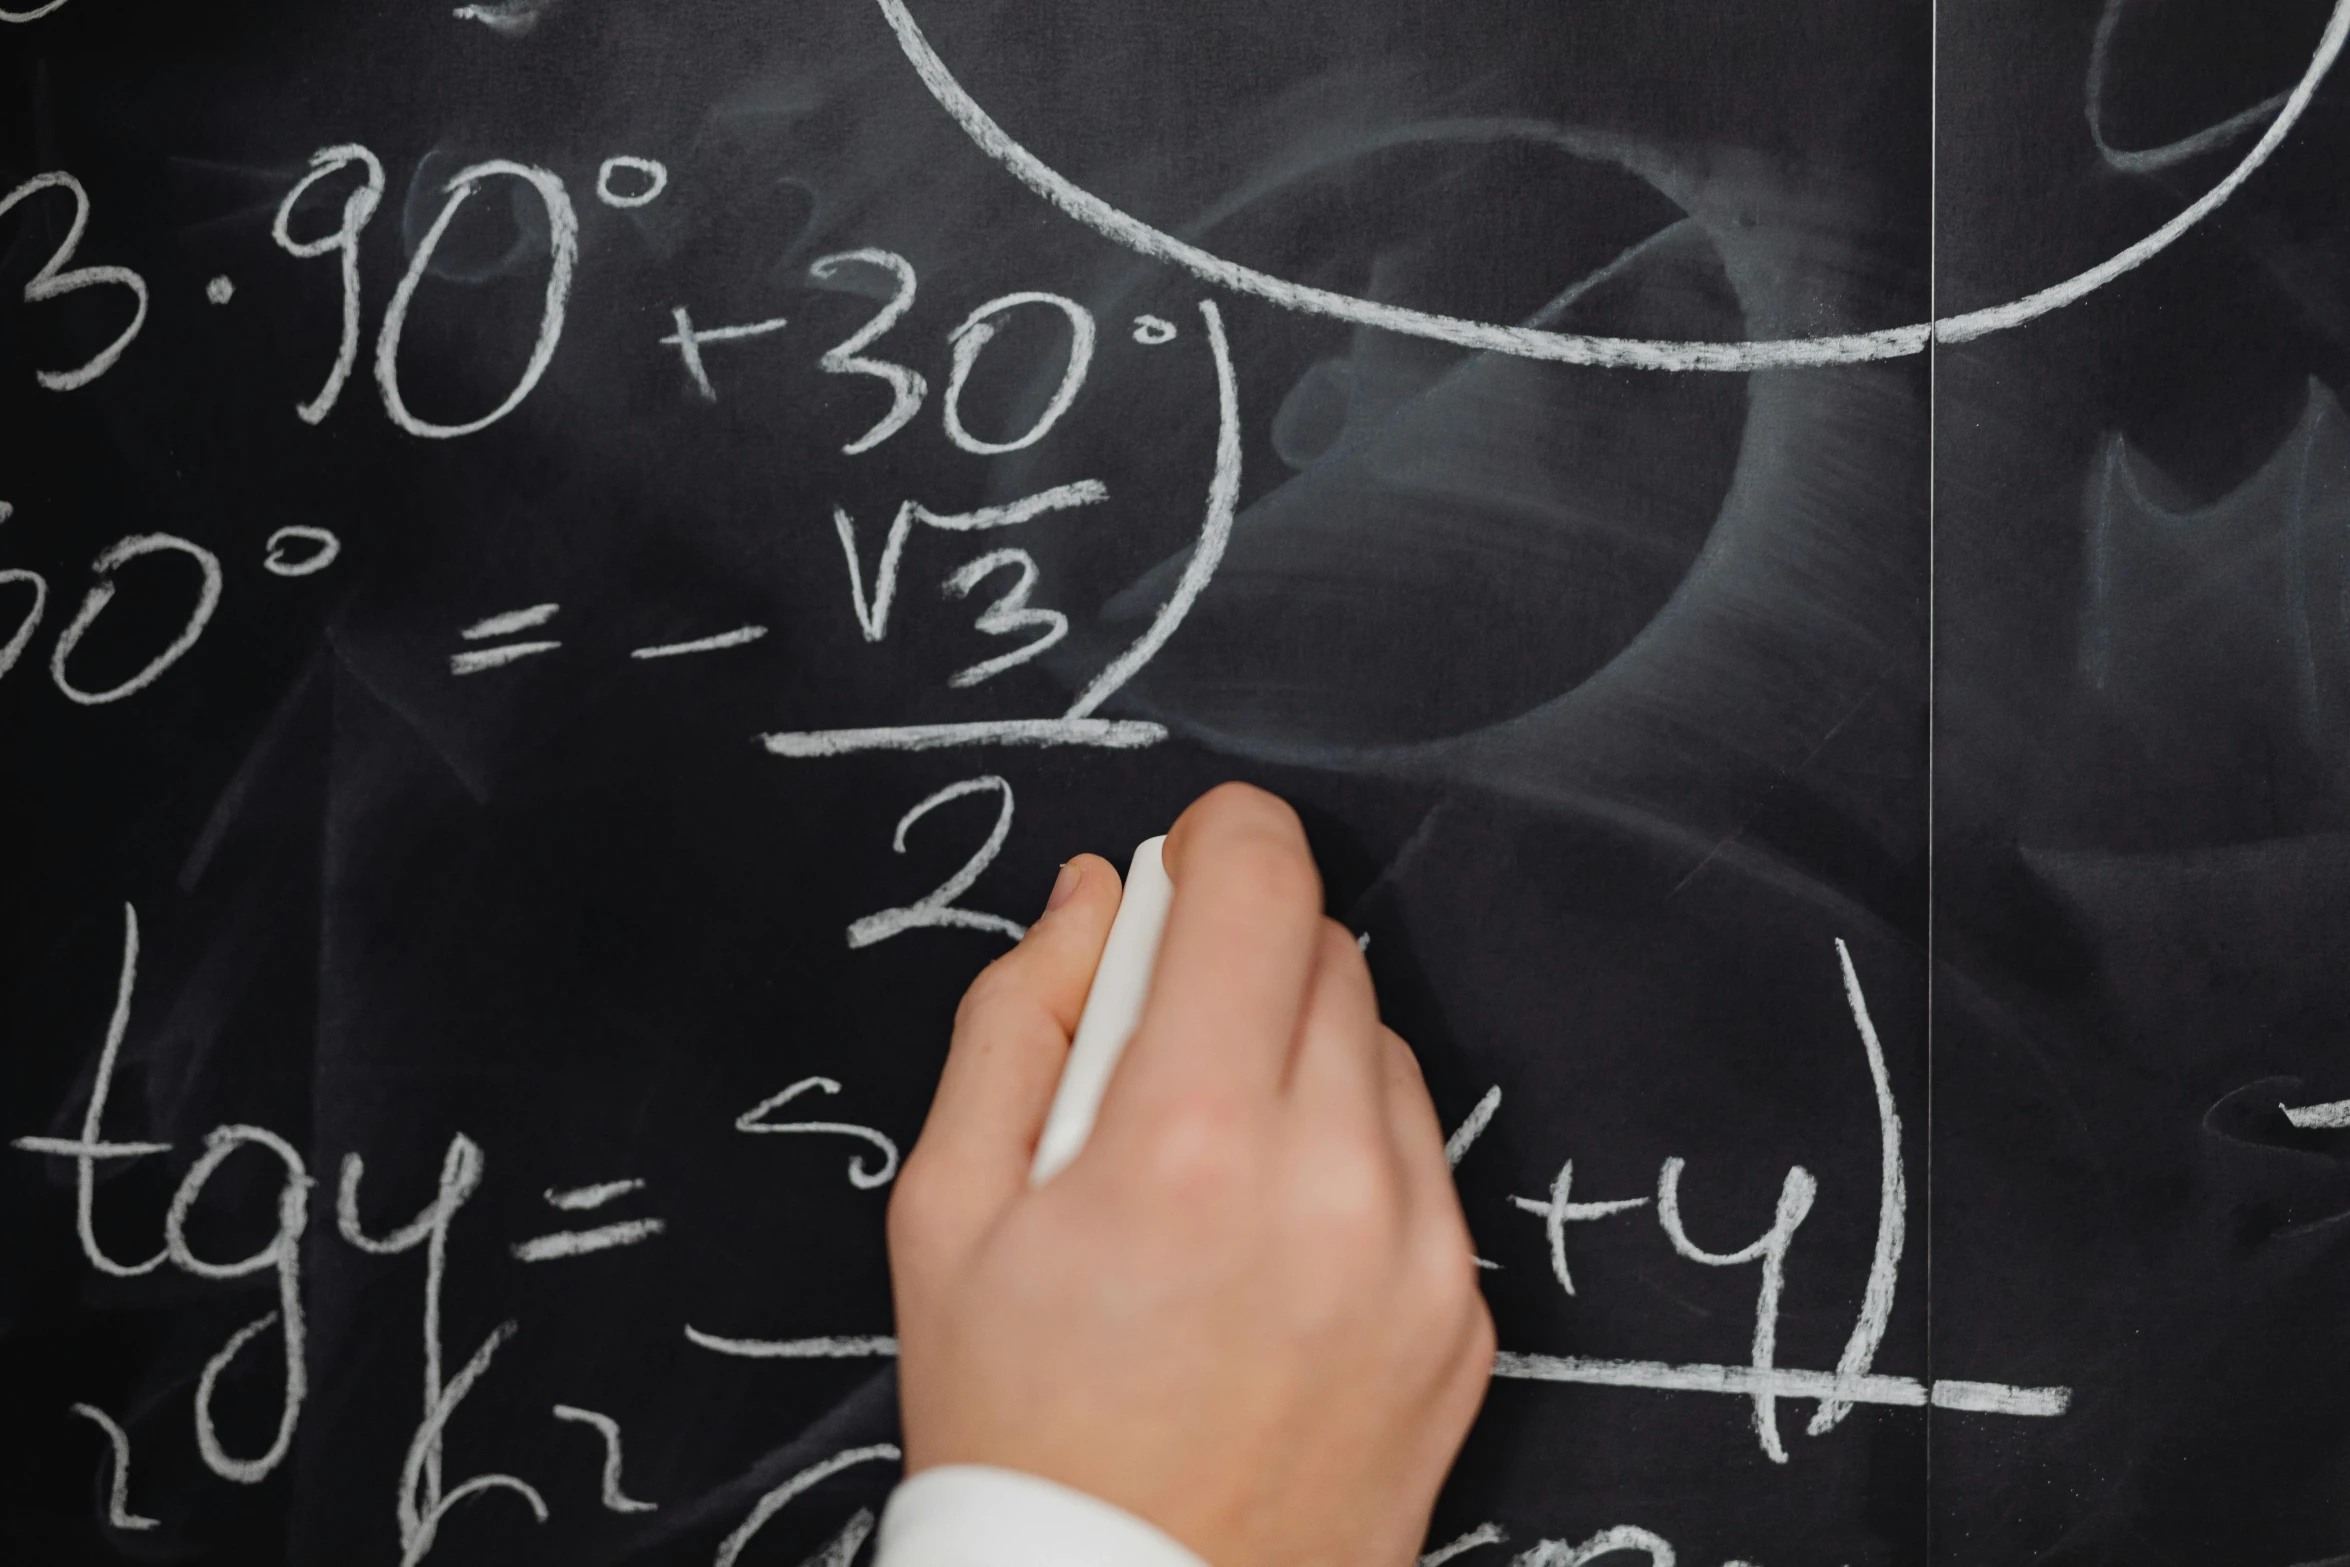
[(920, 1200), (1443, 1274), (1349, 1194), (1198, 1153), (990, 990), (1273, 878)]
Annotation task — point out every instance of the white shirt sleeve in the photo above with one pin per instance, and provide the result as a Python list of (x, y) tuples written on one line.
[(974, 1515)]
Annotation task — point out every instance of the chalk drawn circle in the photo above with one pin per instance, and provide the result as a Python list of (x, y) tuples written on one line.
[(23, 635), (324, 547), (1570, 347), (101, 594), (1151, 331), (656, 180)]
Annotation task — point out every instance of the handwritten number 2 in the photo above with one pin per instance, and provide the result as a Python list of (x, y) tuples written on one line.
[(937, 909), (54, 280)]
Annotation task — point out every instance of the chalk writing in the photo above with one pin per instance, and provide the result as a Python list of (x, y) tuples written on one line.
[(827, 1348), (614, 1499), (563, 243), (861, 1176), (27, 623), (906, 387), (1559, 1210), (1762, 1380), (283, 1255), (1078, 727), (973, 336), (1009, 614), (730, 1550), (421, 1501), (740, 636), (937, 910), (101, 594), (475, 660), (358, 208), (1576, 348), (653, 173), (298, 550), (688, 341), (118, 1490), (53, 281), (1483, 1534), (89, 1148)]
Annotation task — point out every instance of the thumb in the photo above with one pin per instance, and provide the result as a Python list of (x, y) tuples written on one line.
[(1011, 1040)]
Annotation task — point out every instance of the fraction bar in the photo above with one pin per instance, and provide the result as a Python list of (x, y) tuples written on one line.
[(1108, 734), (794, 1348), (1990, 1398)]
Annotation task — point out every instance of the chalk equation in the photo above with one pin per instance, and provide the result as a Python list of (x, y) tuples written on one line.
[(423, 1495), (616, 1212)]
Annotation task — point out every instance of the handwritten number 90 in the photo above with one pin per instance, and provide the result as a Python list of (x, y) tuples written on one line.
[(359, 208)]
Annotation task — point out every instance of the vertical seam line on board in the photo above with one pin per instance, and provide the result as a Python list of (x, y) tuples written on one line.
[(1933, 673)]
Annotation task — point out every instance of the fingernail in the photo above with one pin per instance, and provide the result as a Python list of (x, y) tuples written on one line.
[(1064, 885)]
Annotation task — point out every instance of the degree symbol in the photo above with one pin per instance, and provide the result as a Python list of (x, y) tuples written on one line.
[(299, 551), (655, 176), (1151, 331)]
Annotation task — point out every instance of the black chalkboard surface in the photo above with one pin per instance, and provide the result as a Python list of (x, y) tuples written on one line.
[(570, 568)]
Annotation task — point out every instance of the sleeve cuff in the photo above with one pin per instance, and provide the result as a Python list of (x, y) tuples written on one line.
[(974, 1515)]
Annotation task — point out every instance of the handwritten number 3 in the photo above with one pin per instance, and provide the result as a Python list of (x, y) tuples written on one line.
[(53, 280)]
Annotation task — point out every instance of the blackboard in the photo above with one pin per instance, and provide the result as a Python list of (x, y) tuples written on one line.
[(570, 569)]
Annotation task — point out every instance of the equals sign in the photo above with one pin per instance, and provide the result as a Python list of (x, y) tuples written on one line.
[(474, 660), (578, 1243)]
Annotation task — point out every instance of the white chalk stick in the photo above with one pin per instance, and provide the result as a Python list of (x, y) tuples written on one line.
[(1121, 983)]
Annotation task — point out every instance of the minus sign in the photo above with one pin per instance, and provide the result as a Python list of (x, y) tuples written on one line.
[(724, 639)]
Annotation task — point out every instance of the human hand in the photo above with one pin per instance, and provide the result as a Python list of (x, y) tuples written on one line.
[(1248, 1310)]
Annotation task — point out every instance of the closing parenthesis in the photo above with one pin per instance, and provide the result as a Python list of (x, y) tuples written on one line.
[(563, 231), (50, 282), (101, 594), (31, 623)]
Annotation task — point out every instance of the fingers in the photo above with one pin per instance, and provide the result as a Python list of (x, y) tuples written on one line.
[(1239, 953), (1411, 1116), (1011, 1039), (1339, 1073)]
